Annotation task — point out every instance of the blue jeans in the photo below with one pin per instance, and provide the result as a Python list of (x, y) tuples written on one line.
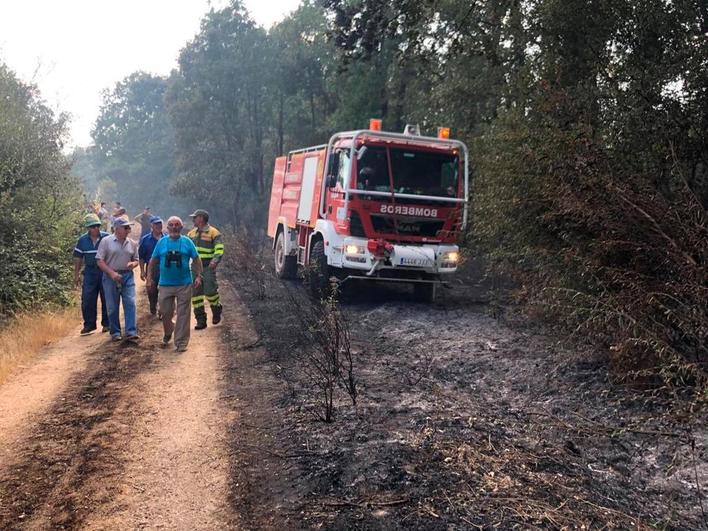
[(113, 298), (91, 290)]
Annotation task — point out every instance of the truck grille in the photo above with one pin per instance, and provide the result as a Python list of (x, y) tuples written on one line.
[(356, 228), (406, 226)]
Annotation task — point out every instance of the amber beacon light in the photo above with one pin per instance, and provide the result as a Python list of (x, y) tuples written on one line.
[(443, 132), (375, 124)]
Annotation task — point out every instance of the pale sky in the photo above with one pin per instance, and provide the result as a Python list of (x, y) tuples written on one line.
[(74, 49)]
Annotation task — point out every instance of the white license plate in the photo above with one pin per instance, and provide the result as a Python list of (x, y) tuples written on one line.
[(419, 262)]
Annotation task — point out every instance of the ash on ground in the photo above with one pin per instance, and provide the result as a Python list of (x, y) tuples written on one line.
[(463, 421)]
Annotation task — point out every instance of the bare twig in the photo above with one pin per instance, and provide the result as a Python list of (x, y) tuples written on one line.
[(363, 504), (598, 427), (698, 483)]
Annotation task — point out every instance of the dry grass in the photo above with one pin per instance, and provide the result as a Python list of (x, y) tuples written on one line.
[(23, 338)]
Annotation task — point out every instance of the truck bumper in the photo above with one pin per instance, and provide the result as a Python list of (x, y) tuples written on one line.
[(426, 259)]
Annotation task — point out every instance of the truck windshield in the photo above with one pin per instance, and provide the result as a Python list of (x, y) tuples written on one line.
[(424, 173), (373, 170), (414, 172)]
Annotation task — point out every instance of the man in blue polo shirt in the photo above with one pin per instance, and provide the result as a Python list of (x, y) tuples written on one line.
[(147, 246), (85, 254)]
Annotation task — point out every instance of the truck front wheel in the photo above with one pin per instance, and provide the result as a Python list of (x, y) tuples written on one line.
[(285, 265), (318, 271)]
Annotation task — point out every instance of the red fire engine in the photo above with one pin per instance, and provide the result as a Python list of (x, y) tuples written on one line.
[(371, 205)]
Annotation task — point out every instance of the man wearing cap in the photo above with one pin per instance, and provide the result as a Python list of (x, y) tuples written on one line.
[(180, 272), (117, 256), (211, 250), (91, 289), (147, 246)]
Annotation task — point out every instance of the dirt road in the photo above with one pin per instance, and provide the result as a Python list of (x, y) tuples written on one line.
[(118, 436), (461, 422)]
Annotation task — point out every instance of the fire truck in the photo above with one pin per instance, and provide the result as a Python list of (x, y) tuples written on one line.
[(371, 205)]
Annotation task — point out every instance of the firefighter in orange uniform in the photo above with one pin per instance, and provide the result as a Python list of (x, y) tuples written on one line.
[(211, 249)]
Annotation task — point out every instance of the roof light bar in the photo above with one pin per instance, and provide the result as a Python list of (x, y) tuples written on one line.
[(444, 132)]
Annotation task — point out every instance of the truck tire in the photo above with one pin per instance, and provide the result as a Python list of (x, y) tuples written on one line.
[(318, 271), (285, 265), (424, 292)]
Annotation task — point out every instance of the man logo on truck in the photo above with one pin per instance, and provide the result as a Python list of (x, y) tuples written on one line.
[(409, 211)]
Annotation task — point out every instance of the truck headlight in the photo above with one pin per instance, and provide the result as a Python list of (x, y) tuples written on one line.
[(355, 253), (353, 249), (449, 259), (452, 256)]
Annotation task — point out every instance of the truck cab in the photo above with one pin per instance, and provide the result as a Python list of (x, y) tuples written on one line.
[(371, 205)]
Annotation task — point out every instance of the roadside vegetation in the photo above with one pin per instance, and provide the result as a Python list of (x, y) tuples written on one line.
[(40, 202), (41, 206), (25, 336)]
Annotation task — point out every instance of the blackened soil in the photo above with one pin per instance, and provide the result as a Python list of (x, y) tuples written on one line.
[(463, 422), (264, 476)]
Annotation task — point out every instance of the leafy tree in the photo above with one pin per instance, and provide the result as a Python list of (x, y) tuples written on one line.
[(40, 202), (84, 168), (303, 67), (218, 103), (134, 145), (593, 197)]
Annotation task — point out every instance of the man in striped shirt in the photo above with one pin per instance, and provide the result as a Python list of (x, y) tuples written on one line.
[(91, 288)]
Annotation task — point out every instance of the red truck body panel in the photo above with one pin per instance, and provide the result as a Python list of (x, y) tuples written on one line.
[(276, 196), (297, 193), (290, 175)]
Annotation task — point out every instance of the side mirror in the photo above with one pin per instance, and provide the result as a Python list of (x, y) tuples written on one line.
[(333, 170)]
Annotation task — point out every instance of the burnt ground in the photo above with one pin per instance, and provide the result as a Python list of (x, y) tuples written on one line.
[(462, 422)]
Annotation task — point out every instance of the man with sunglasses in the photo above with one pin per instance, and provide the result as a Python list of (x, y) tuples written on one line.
[(179, 261), (117, 256)]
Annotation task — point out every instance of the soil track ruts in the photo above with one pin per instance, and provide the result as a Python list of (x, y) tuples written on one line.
[(33, 387), (137, 438), (72, 442)]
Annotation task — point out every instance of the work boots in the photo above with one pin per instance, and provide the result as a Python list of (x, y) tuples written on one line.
[(201, 320), (216, 314)]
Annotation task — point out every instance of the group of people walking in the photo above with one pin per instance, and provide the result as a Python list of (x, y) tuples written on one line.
[(177, 270), (107, 219)]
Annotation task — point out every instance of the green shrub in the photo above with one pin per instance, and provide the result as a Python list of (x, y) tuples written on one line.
[(602, 246), (40, 204)]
